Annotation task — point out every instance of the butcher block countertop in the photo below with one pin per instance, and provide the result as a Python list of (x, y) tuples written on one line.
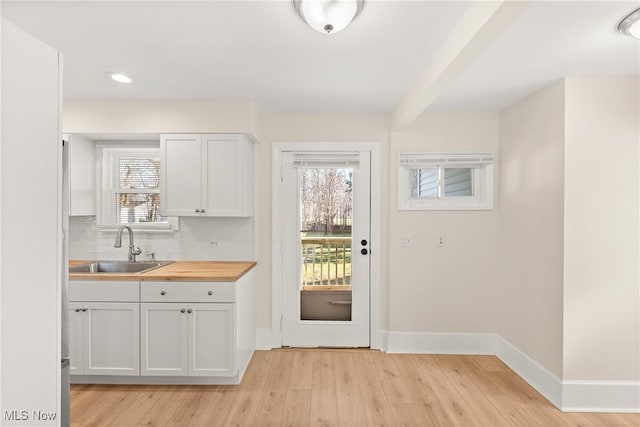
[(178, 271)]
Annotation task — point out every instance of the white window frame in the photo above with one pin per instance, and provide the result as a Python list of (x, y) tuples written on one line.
[(106, 154), (482, 165)]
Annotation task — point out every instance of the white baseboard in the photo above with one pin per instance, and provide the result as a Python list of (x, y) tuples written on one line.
[(379, 341), (568, 396), (440, 343), (263, 339), (601, 396), (546, 383)]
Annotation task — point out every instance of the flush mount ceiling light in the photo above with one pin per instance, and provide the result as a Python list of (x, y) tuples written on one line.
[(328, 16), (631, 25), (119, 77)]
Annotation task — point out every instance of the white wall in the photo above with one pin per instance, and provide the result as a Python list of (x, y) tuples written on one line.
[(530, 226), (601, 215), (31, 229), (191, 242), (450, 288), (131, 116)]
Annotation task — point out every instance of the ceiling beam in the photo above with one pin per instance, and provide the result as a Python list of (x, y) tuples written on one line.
[(478, 28)]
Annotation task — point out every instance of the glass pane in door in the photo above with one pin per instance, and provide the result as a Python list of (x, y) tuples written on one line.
[(326, 218)]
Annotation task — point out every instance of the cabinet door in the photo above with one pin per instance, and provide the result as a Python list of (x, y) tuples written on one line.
[(82, 176), (112, 339), (164, 339), (225, 181), (181, 175), (212, 340), (76, 338)]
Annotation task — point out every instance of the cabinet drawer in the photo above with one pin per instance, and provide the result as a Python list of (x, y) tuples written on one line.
[(188, 292), (104, 291)]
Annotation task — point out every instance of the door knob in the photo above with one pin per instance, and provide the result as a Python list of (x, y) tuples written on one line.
[(364, 251), (363, 242)]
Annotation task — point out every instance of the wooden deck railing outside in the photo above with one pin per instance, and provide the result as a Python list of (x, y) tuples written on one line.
[(326, 261)]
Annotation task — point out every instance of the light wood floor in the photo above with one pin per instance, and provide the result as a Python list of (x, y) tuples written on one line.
[(296, 387)]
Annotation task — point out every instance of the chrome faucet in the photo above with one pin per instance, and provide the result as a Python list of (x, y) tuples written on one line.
[(133, 251)]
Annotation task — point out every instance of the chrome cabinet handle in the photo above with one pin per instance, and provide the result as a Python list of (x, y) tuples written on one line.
[(189, 311), (163, 292), (183, 310), (210, 293), (340, 302)]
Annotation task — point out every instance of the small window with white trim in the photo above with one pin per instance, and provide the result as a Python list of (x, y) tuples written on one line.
[(445, 181), (129, 188)]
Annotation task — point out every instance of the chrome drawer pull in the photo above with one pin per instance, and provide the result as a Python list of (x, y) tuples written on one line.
[(340, 302), (210, 293), (163, 292)]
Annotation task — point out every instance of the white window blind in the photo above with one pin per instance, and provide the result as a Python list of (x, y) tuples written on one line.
[(326, 160), (425, 160)]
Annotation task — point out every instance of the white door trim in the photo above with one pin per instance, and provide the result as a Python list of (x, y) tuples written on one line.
[(375, 238)]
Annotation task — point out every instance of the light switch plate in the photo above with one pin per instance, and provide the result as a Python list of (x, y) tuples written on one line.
[(406, 240)]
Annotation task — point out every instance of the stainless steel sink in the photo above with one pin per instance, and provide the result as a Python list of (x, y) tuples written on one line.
[(116, 267)]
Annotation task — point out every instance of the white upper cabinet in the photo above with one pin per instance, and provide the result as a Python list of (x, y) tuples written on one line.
[(206, 175), (181, 167), (82, 175)]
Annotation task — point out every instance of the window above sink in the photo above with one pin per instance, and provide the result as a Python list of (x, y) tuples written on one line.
[(128, 188)]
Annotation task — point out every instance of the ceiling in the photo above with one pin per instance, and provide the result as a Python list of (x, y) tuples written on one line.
[(263, 52)]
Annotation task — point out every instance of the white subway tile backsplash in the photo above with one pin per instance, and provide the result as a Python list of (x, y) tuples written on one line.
[(235, 238)]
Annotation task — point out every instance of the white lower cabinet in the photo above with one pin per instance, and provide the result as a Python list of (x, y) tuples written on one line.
[(155, 332), (104, 338), (76, 339), (188, 339)]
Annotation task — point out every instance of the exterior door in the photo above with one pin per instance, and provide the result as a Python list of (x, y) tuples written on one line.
[(325, 229)]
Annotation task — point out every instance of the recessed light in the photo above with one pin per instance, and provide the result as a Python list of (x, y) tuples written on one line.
[(119, 77), (631, 24)]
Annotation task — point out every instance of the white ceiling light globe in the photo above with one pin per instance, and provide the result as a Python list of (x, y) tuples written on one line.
[(631, 24), (328, 16)]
